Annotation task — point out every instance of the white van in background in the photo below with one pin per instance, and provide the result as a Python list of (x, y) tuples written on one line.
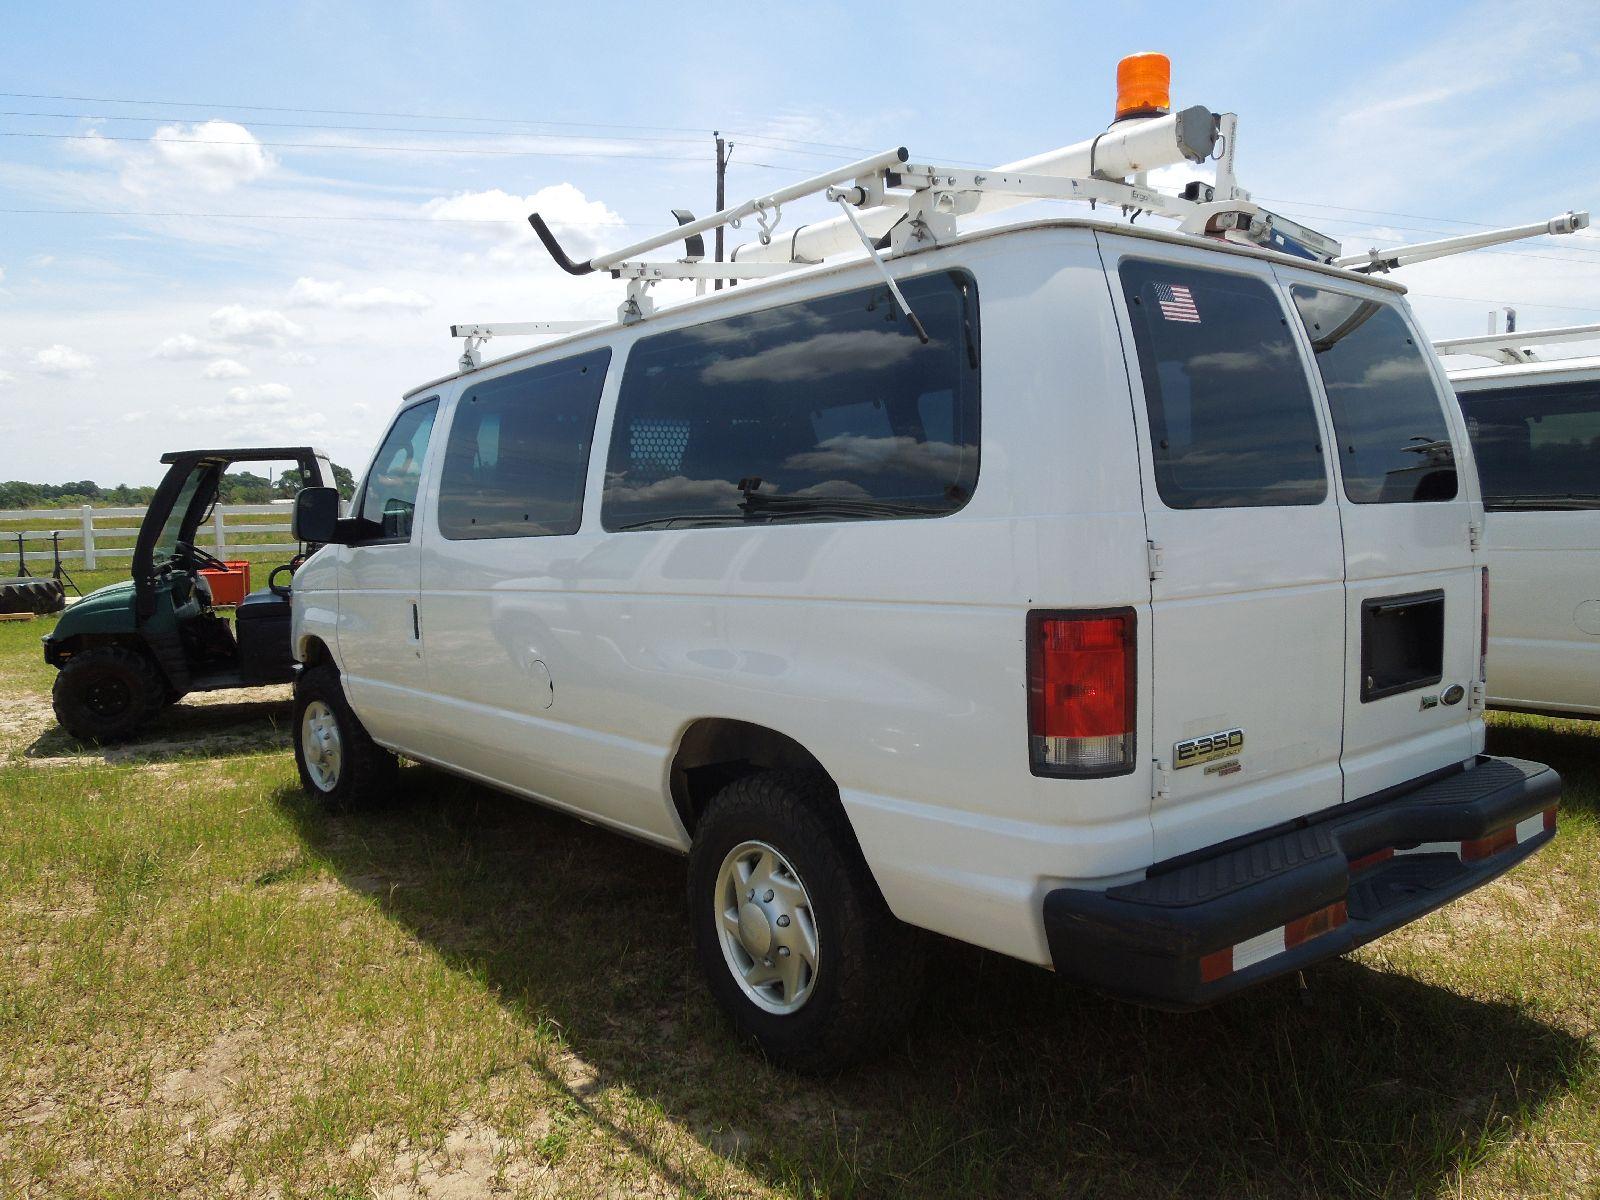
[(1121, 613), (1535, 429)]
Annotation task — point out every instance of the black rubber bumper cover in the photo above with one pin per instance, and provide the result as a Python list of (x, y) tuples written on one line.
[(1144, 941)]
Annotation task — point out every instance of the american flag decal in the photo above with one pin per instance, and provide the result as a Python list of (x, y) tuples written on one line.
[(1177, 303)]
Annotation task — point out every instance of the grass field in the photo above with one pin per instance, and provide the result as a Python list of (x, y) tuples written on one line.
[(210, 988)]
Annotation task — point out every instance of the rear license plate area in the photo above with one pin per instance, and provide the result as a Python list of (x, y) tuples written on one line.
[(1402, 643)]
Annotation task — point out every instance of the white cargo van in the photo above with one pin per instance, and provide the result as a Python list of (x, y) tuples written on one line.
[(1535, 429), (1102, 596)]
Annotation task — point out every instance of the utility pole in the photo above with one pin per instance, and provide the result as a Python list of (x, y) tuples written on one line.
[(722, 180)]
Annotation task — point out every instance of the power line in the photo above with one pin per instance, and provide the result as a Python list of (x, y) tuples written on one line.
[(1507, 300), (94, 137), (776, 141), (205, 216)]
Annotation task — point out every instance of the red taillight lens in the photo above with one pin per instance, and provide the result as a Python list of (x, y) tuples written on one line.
[(1081, 690)]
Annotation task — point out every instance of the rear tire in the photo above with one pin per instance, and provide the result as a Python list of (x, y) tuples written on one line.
[(791, 932), (340, 765), (105, 693)]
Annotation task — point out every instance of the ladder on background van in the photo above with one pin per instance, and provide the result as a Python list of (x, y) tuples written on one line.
[(1516, 347), (891, 206)]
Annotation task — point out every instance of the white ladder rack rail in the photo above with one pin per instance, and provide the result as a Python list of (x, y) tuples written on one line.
[(1516, 347), (1376, 261)]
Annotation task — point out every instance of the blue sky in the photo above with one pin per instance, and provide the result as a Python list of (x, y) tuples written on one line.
[(321, 284)]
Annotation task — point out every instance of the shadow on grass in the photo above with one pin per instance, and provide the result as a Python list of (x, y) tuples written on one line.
[(1571, 747), (1008, 1082), (192, 728)]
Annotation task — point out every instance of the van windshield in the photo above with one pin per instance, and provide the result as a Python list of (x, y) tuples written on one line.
[(1394, 444), (1537, 446)]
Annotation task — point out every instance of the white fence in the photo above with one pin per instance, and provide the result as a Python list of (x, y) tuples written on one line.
[(86, 532)]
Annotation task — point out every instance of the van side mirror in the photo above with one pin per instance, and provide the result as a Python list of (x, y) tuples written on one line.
[(316, 517)]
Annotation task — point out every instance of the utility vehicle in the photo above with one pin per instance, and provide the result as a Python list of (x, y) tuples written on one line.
[(1102, 595), (128, 649), (1535, 429)]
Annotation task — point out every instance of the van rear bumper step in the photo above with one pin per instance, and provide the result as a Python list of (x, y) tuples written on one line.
[(1191, 935)]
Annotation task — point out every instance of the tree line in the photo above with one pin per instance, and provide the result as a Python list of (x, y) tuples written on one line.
[(238, 487)]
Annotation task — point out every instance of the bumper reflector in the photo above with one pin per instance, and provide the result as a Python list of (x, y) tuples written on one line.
[(1263, 946)]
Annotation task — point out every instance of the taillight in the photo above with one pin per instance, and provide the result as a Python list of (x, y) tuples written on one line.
[(1081, 690), (1483, 631)]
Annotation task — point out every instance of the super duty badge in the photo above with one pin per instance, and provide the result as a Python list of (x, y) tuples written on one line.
[(1193, 751)]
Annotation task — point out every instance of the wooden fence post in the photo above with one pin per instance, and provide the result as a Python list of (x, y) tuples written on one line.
[(88, 537)]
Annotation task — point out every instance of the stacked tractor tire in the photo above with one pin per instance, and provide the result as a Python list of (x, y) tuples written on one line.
[(29, 595)]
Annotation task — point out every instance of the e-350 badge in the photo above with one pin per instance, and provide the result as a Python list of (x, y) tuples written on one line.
[(1191, 752)]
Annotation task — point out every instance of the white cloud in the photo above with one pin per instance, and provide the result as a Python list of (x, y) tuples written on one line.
[(62, 361), (260, 395), (296, 358), (225, 368), (6, 377), (584, 226), (261, 325), (316, 293), (212, 157), (186, 345)]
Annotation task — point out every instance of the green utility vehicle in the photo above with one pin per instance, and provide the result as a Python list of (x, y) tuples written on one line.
[(129, 649)]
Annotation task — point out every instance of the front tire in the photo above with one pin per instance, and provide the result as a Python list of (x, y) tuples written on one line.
[(790, 930), (105, 693), (339, 763)]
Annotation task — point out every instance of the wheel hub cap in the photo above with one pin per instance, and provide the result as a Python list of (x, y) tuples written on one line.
[(321, 745), (767, 927), (755, 930)]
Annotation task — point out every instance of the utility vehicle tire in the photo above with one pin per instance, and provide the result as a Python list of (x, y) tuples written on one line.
[(26, 594), (105, 693), (775, 868), (340, 765)]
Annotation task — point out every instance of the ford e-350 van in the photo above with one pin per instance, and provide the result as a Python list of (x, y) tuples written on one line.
[(1131, 625)]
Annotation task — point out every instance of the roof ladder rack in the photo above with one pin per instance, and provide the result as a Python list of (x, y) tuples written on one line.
[(1516, 347), (1376, 261)]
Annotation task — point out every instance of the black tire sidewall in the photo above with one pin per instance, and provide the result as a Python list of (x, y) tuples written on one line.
[(363, 764), (145, 690), (820, 1036)]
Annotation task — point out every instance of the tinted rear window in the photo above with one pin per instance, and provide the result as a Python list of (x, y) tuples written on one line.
[(519, 451), (1536, 446), (1232, 421), (826, 410), (1394, 445)]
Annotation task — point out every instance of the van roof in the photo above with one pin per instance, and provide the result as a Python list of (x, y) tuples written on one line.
[(1540, 370), (778, 284)]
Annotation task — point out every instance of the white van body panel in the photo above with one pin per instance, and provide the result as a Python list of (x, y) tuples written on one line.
[(569, 668), (1544, 576)]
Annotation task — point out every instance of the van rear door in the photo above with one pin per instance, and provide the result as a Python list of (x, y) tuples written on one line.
[(1247, 621), (1413, 585)]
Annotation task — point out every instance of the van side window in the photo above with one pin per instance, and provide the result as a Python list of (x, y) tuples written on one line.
[(1537, 446), (1232, 420), (1394, 445), (518, 452), (389, 495), (831, 409)]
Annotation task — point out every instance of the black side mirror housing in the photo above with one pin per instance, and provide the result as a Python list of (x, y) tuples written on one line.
[(316, 517)]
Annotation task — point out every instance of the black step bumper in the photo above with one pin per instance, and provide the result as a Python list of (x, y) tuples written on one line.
[(1217, 921)]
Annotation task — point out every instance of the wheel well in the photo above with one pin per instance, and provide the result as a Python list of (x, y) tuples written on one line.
[(714, 751), (315, 652)]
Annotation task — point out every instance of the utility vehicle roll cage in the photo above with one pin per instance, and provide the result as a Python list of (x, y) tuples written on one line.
[(891, 205)]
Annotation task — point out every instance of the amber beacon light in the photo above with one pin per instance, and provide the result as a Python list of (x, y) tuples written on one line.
[(1144, 84)]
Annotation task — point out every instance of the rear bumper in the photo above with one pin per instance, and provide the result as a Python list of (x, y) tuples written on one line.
[(1215, 922)]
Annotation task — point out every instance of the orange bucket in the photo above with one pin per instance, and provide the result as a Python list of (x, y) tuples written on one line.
[(230, 587)]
